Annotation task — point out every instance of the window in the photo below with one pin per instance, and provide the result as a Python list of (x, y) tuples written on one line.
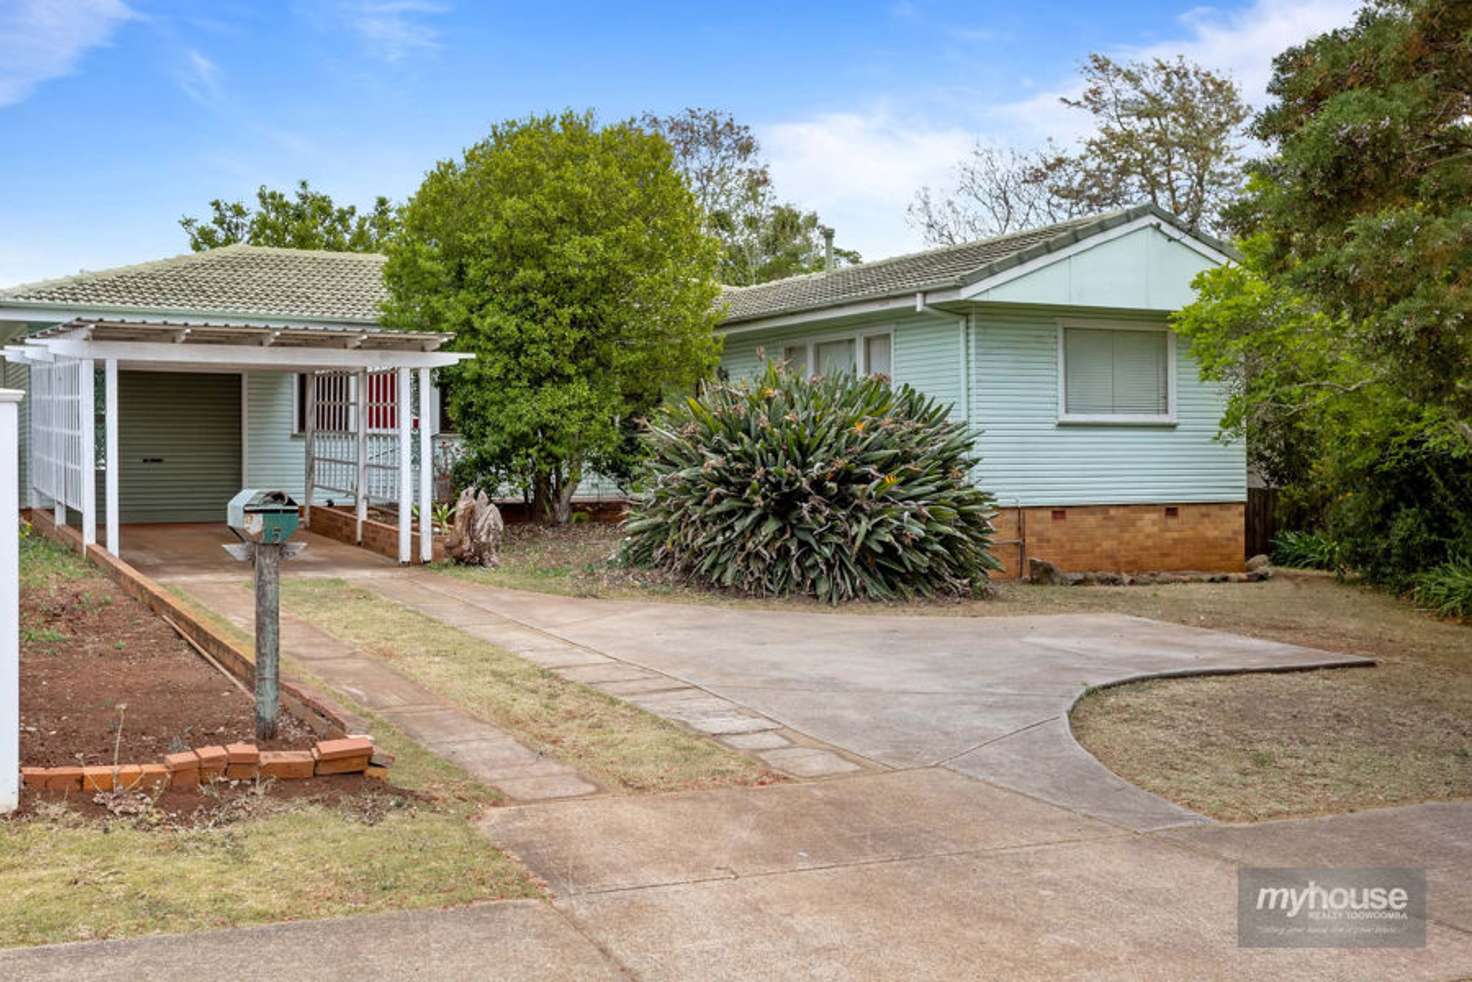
[(835, 357), (866, 353), (337, 398), (876, 354), (1115, 374)]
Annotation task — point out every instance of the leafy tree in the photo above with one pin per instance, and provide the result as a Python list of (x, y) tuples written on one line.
[(762, 238), (1345, 336), (307, 220), (1366, 198), (1387, 478), (571, 259), (1165, 131)]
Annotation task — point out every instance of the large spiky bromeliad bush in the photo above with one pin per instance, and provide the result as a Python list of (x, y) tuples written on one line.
[(834, 487)]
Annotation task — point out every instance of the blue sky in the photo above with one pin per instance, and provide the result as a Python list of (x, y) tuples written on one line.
[(119, 116)]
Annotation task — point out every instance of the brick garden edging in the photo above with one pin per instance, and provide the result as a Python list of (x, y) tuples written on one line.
[(314, 708), (380, 537), (232, 762)]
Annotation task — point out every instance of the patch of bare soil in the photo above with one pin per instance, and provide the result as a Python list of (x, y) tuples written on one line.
[(220, 803), (88, 649)]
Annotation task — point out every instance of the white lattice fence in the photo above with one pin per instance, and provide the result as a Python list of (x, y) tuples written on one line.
[(58, 452)]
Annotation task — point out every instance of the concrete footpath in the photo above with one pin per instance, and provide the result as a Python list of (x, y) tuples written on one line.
[(920, 874)]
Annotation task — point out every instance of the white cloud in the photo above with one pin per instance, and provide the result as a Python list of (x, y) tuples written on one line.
[(859, 171), (395, 29), (45, 39), (1241, 43), (200, 77)]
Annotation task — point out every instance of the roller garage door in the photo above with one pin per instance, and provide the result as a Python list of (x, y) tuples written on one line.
[(179, 442)]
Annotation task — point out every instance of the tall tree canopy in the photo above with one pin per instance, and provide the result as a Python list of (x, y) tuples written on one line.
[(762, 238), (572, 260), (1366, 198), (1343, 336), (307, 219), (1165, 131)]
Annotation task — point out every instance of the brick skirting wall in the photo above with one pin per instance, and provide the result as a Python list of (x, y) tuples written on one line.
[(1126, 538)]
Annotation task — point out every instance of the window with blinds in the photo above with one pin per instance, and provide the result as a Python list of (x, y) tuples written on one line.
[(1116, 373)]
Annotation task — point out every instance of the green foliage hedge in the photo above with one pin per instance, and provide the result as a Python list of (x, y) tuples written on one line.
[(833, 487)]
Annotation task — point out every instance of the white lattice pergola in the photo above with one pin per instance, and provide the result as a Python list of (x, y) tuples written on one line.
[(362, 440)]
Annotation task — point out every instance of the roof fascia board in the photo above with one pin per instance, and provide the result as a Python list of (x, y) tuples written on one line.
[(48, 313), (972, 290), (247, 355), (900, 303)]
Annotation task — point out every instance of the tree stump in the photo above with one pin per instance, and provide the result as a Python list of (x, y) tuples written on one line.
[(475, 537)]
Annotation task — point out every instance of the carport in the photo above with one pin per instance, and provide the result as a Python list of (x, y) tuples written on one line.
[(174, 418)]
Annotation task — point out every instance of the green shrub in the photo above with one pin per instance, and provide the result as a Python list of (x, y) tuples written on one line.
[(1446, 589), (1304, 550), (835, 487)]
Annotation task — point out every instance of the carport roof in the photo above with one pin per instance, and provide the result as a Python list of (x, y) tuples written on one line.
[(236, 280)]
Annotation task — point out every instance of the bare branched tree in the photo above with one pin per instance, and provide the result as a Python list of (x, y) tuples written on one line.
[(996, 191), (1166, 131)]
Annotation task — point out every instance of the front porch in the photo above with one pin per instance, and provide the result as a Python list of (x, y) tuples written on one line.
[(190, 413), (191, 550)]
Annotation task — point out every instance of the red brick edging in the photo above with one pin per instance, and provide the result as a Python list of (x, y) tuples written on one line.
[(233, 762)]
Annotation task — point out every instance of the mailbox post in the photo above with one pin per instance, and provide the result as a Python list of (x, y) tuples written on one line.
[(264, 520)]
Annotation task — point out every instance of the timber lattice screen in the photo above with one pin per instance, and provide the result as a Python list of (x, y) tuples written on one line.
[(56, 413)]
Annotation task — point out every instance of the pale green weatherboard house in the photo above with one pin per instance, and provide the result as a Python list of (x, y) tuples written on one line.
[(1096, 434)]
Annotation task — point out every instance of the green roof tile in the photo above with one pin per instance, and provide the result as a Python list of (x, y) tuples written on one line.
[(253, 281), (947, 266)]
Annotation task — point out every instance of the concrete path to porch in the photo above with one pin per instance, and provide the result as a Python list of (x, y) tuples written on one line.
[(984, 696), (185, 557)]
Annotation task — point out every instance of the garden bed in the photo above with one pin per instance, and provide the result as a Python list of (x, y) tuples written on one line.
[(91, 656)]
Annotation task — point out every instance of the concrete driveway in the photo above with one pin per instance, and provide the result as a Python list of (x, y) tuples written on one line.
[(984, 696)]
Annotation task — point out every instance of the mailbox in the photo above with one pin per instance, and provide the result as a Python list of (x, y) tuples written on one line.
[(262, 516)]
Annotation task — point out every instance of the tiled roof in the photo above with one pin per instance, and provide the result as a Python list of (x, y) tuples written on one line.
[(241, 280), (947, 266)]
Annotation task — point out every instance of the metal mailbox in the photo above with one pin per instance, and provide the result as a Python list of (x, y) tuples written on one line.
[(263, 516)]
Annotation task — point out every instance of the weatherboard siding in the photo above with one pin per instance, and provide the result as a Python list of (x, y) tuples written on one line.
[(1028, 457), (275, 458)]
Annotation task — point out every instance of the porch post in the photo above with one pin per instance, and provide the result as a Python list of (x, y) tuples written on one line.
[(406, 466), (87, 417), (110, 428), (360, 506), (9, 603), (309, 433), (426, 472)]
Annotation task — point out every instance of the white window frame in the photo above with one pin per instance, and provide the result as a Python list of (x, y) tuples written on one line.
[(1117, 419), (858, 337)]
